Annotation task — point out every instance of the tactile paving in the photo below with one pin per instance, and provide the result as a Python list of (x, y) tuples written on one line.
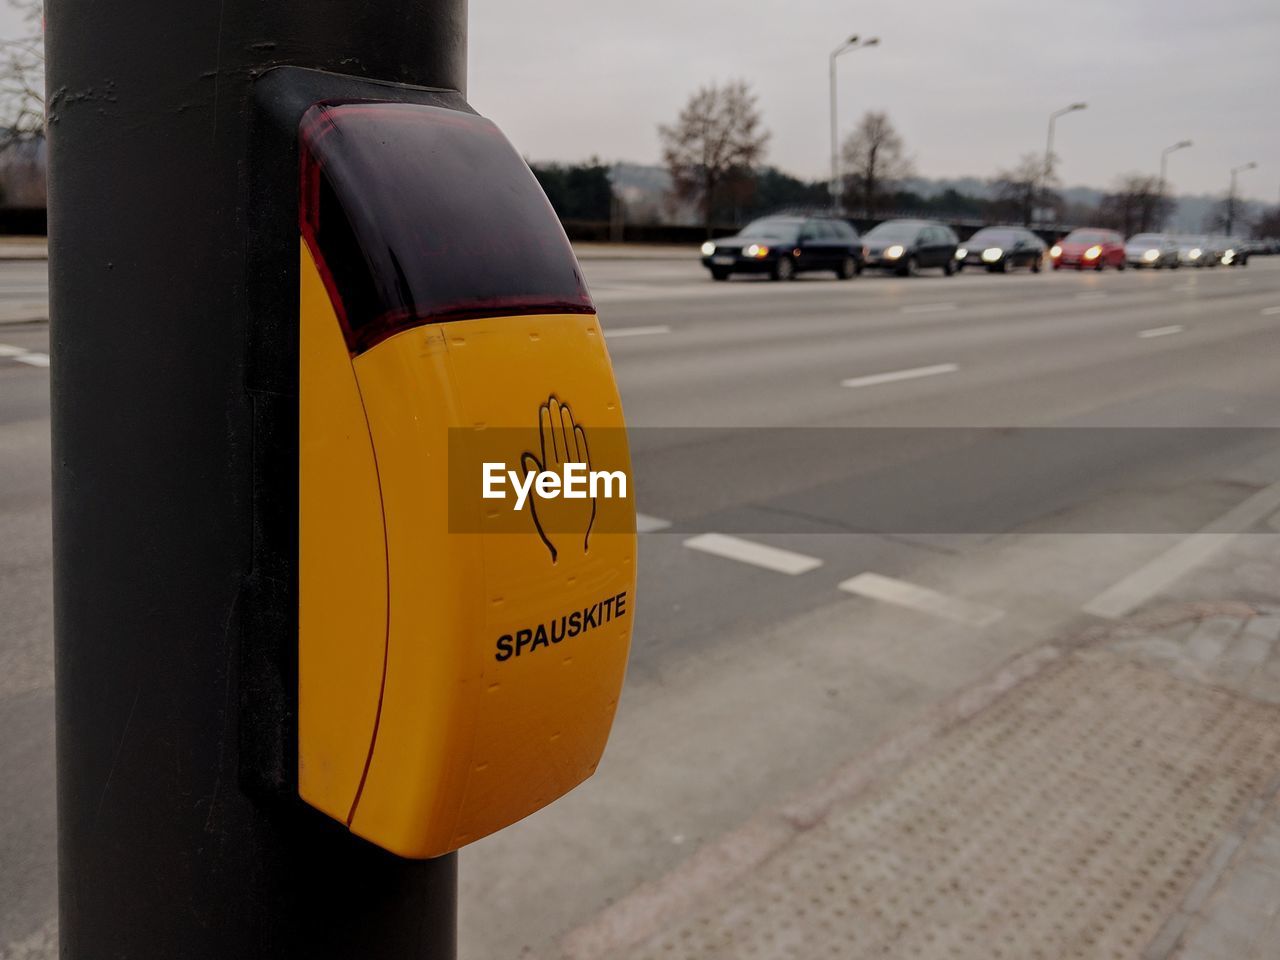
[(1067, 820)]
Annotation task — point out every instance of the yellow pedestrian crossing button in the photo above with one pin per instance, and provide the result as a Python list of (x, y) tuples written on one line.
[(460, 655)]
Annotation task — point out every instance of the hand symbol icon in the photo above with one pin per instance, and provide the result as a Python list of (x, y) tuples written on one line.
[(562, 441)]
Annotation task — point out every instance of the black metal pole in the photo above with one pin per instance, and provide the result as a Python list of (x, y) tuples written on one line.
[(162, 851)]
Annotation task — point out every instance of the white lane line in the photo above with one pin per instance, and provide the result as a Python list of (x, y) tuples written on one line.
[(894, 376), (1148, 580), (1092, 296), (635, 332), (34, 359), (929, 308), (756, 554), (904, 594), (648, 524), (7, 351), (1161, 331), (1271, 311)]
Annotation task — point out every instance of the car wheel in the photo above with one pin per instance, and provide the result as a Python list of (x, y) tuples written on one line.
[(949, 268), (909, 268), (848, 269), (719, 273), (1121, 265), (783, 269), (1037, 264)]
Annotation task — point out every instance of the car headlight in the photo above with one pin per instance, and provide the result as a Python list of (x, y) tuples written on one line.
[(1228, 255), (992, 254), (1055, 251), (1195, 254), (1151, 255), (757, 251), (1093, 253), (708, 249), (961, 253), (894, 252)]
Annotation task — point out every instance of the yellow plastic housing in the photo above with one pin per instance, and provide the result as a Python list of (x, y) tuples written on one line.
[(417, 727)]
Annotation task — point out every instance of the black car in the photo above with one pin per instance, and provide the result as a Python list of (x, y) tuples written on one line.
[(785, 246), (905, 246), (1001, 249)]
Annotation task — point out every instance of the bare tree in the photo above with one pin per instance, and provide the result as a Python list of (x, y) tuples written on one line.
[(875, 161), (1019, 189), (22, 76), (712, 148), (1135, 205)]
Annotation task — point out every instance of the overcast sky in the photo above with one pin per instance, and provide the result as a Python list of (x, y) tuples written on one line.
[(969, 85)]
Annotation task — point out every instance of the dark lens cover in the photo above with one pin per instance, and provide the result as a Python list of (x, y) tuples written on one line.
[(418, 214)]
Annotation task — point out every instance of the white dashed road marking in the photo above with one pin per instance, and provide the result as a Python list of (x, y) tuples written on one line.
[(648, 524), (1160, 332), (22, 355), (635, 332), (913, 374), (756, 554), (1148, 580), (904, 594), (1271, 312), (929, 308)]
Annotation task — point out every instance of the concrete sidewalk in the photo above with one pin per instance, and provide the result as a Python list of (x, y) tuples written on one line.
[(1114, 797), (24, 248)]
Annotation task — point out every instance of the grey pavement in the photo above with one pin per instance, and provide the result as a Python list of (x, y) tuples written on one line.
[(749, 687)]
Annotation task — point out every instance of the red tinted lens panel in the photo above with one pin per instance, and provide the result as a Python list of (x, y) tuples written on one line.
[(417, 214)]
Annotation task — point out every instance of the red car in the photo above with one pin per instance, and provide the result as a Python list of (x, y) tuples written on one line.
[(1089, 248)]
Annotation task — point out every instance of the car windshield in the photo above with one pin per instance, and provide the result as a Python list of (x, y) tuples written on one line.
[(1006, 238), (773, 227), (1086, 236), (893, 231)]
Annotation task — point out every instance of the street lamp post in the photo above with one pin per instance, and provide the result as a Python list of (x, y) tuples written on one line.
[(1048, 147), (1231, 195), (852, 43), (1164, 165)]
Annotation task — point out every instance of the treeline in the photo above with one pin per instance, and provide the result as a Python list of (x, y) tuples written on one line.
[(715, 152), (584, 192)]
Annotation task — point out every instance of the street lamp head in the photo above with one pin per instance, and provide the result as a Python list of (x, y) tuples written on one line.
[(1181, 144), (853, 38), (873, 42), (1078, 106)]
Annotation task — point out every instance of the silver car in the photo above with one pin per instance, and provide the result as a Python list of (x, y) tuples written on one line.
[(1193, 251), (1151, 250)]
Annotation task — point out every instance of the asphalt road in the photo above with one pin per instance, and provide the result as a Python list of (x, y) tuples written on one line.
[(719, 376)]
